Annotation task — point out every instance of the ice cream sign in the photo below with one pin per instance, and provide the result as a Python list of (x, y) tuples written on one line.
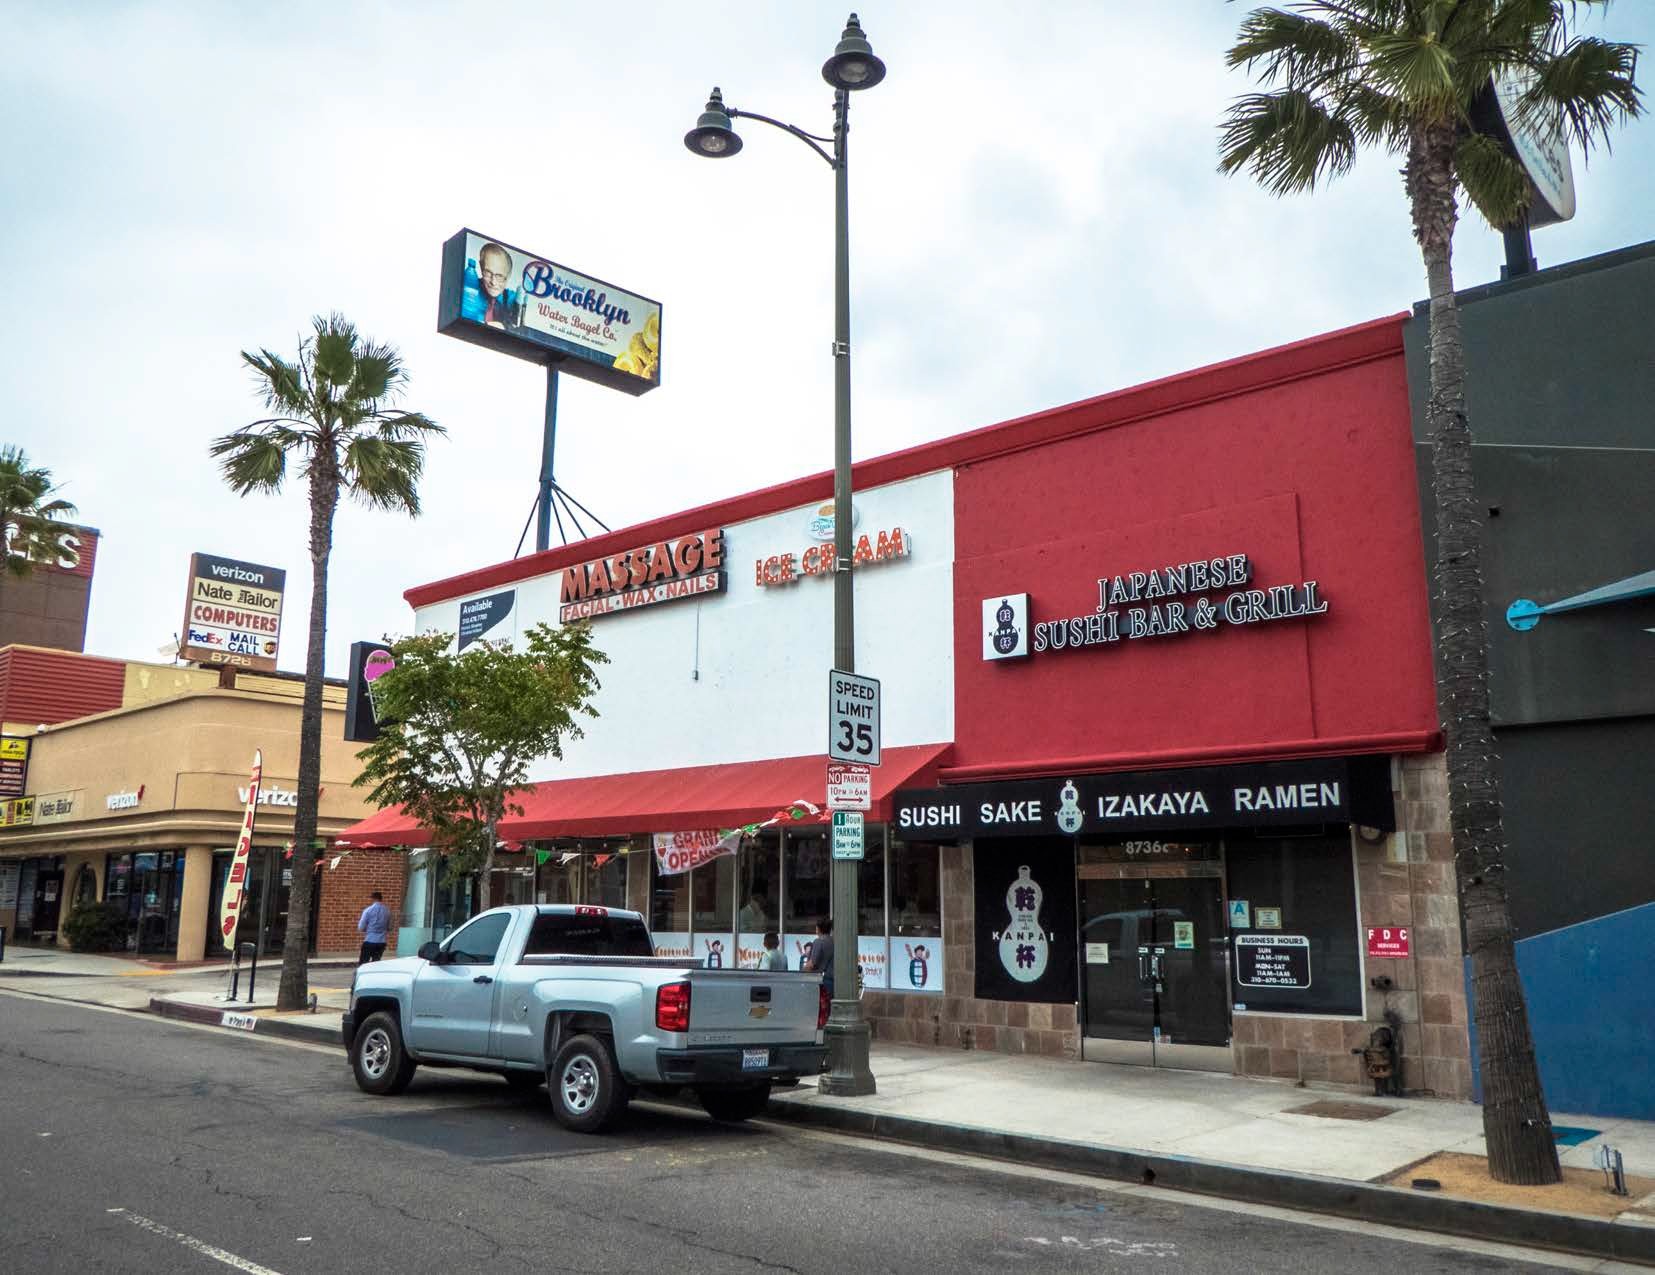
[(867, 549)]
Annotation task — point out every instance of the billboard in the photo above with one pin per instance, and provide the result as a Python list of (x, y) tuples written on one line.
[(234, 613), (48, 605), (506, 299)]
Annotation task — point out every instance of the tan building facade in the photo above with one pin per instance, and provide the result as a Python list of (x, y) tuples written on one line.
[(140, 807)]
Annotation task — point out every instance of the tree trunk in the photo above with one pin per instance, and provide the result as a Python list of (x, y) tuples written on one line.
[(1516, 1124), (487, 876), (294, 992)]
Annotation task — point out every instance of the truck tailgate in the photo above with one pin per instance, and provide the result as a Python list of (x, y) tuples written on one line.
[(752, 1007)]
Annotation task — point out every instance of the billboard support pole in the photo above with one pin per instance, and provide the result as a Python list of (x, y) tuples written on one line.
[(548, 443)]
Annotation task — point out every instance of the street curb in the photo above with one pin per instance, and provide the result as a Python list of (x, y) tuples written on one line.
[(234, 1020), (1628, 1241)]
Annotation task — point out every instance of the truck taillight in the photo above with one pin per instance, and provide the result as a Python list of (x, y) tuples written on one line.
[(672, 1007), (824, 1003)]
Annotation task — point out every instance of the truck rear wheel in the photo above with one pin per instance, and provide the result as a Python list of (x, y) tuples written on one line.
[(735, 1105), (379, 1060), (587, 1093)]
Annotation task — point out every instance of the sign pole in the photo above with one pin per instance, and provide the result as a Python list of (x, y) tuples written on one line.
[(548, 443), (847, 1032)]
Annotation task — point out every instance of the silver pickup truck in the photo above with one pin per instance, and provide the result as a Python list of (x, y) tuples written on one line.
[(575, 998)]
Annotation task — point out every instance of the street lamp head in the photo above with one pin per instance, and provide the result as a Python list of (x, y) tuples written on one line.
[(853, 64), (712, 135)]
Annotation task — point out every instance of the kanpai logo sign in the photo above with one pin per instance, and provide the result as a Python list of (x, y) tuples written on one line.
[(683, 567)]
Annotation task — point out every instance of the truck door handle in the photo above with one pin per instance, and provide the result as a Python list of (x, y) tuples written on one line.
[(482, 978)]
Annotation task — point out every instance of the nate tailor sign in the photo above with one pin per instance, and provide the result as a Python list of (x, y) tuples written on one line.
[(234, 614), (682, 567), (1160, 602), (506, 299), (1263, 795)]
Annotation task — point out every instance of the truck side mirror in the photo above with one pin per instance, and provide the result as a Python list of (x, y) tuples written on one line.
[(431, 951)]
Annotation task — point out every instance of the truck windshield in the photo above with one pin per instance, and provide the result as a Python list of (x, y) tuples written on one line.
[(569, 934)]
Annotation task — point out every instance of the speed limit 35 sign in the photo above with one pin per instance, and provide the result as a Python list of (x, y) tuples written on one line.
[(853, 718)]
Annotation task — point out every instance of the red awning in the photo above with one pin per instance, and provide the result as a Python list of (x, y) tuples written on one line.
[(683, 800)]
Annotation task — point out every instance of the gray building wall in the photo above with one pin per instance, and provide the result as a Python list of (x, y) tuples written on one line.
[(1561, 398)]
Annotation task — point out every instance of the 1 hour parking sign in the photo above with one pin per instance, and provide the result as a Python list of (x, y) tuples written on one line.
[(853, 718)]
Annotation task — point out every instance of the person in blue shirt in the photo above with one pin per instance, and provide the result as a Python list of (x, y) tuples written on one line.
[(374, 926)]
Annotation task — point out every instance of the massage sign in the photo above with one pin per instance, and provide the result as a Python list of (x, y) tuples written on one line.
[(1186, 597), (665, 571)]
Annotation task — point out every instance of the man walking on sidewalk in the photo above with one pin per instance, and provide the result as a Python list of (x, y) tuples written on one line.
[(375, 927)]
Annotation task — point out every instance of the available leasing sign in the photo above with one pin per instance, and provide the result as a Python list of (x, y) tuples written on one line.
[(234, 614)]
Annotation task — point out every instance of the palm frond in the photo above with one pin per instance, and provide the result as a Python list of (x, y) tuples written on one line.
[(333, 353), (384, 473), (280, 384), (377, 375), (1288, 140), (251, 460), (1417, 68), (1590, 87), (409, 425), (1494, 181), (1292, 47)]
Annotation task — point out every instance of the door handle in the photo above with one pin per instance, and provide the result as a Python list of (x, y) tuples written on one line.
[(482, 978)]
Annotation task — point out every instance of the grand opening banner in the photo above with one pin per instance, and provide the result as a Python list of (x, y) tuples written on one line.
[(507, 299)]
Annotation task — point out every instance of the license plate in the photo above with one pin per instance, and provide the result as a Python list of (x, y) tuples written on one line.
[(755, 1059)]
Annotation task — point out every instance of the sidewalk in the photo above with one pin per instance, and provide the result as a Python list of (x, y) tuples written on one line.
[(1229, 1136), (35, 962), (125, 983)]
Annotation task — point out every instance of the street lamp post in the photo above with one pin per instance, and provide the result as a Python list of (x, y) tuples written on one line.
[(852, 67)]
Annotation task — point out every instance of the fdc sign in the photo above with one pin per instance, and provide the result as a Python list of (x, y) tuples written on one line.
[(853, 718)]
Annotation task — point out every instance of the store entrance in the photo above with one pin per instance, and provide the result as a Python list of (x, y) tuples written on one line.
[(1154, 955)]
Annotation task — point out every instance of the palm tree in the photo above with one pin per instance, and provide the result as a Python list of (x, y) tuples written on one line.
[(1402, 75), (332, 414), (31, 526)]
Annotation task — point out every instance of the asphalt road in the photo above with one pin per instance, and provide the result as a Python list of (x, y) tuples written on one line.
[(133, 1144)]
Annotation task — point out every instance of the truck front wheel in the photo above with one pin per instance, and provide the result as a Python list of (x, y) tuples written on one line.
[(587, 1094), (735, 1105), (379, 1061)]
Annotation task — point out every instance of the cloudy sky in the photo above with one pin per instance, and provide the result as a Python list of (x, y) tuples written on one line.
[(1036, 218)]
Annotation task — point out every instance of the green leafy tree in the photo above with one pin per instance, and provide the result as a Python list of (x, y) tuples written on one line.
[(333, 416), (1402, 76), (459, 731), (31, 520)]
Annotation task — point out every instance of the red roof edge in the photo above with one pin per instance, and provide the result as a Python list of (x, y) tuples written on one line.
[(1329, 351), (1422, 741)]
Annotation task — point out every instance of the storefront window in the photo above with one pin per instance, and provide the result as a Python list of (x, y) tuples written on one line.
[(758, 885), (151, 887), (870, 883), (605, 885), (558, 879), (808, 866), (1306, 960), (916, 890), (669, 907)]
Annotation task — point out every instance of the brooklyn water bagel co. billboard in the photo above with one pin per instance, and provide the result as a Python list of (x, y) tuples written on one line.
[(234, 613), (506, 299)]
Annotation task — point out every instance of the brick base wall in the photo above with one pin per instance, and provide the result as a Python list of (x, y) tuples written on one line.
[(955, 1017), (345, 891), (1405, 880)]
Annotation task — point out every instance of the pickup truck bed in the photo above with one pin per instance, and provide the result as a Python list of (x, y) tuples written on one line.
[(573, 997)]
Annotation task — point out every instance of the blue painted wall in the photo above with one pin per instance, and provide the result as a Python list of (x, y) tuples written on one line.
[(1591, 995)]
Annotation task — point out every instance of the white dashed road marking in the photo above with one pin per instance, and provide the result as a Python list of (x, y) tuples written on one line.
[(190, 1242)]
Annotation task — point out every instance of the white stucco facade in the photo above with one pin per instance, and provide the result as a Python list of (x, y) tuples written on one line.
[(742, 675)]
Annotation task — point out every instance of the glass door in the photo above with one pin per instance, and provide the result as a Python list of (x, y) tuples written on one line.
[(1155, 973)]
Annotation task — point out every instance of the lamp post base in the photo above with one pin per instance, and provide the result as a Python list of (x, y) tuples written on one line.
[(847, 1036)]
